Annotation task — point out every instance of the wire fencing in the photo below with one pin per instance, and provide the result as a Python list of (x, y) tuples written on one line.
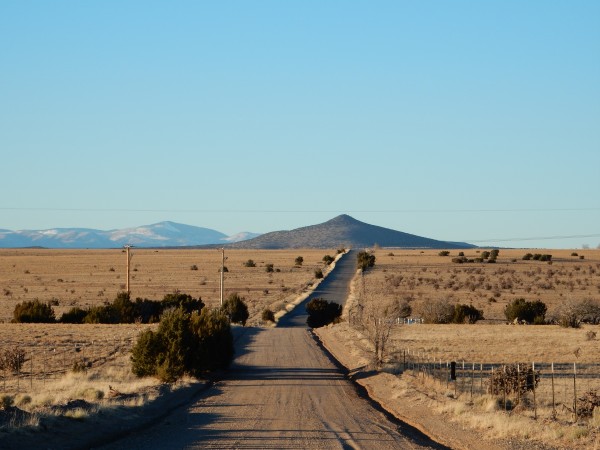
[(23, 368), (556, 390)]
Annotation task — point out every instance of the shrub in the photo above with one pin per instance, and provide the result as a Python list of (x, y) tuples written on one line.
[(527, 256), (574, 254), (74, 315), (250, 263), (365, 260), (6, 401), (444, 253), (194, 267), (513, 378), (269, 268), (572, 314), (466, 314), (184, 343), (485, 254), (321, 312), (524, 310), (101, 314), (590, 335), (318, 273), (268, 316), (328, 259), (298, 261), (461, 253), (437, 311), (459, 260), (214, 341), (33, 312), (12, 359), (235, 308), (180, 300)]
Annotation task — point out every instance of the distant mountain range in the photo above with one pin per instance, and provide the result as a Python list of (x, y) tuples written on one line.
[(341, 231), (162, 234), (344, 231)]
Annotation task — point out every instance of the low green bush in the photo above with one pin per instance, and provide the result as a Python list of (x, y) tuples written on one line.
[(235, 308), (184, 344), (33, 311), (321, 312)]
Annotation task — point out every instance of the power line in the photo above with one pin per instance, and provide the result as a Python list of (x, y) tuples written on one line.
[(299, 211), (537, 238)]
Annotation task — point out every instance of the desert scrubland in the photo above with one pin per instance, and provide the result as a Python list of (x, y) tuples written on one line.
[(92, 277), (87, 278), (420, 353)]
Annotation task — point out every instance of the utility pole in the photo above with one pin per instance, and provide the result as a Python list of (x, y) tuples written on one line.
[(222, 272), (127, 247)]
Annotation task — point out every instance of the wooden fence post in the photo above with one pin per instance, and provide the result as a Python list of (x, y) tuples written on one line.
[(518, 383), (534, 399), (553, 400), (504, 386), (472, 380), (575, 390)]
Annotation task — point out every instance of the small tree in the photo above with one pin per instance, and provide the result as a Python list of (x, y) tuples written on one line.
[(250, 263), (74, 315), (33, 312), (318, 273), (269, 268), (523, 310), (466, 314), (299, 260), (184, 343), (235, 308), (365, 260), (268, 316), (321, 312), (328, 259), (437, 311)]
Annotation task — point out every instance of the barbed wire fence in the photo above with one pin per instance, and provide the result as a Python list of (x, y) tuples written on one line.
[(568, 391), (23, 368)]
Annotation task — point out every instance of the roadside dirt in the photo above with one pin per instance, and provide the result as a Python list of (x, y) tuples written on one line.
[(416, 407)]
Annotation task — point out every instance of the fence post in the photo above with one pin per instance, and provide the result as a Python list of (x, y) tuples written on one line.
[(575, 390), (472, 380), (481, 378), (504, 386), (404, 359), (31, 371), (492, 391), (553, 400), (534, 400), (518, 383)]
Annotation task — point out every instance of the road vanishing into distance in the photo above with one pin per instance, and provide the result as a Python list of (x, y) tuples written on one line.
[(282, 392)]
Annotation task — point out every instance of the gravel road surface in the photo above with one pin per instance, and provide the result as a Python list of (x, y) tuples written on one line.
[(282, 392)]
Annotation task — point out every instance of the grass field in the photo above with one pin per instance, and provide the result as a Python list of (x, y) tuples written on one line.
[(418, 276), (91, 277)]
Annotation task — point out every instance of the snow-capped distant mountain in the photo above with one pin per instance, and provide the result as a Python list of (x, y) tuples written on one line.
[(162, 234), (243, 236)]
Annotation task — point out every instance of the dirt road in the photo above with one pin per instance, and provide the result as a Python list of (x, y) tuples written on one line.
[(282, 392)]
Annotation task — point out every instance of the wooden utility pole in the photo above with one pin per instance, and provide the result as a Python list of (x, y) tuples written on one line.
[(222, 272), (127, 247)]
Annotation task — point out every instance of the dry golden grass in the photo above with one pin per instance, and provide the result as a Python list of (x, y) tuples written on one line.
[(91, 277), (419, 276), (484, 343)]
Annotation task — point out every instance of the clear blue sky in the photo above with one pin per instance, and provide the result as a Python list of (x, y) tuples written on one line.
[(455, 120)]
